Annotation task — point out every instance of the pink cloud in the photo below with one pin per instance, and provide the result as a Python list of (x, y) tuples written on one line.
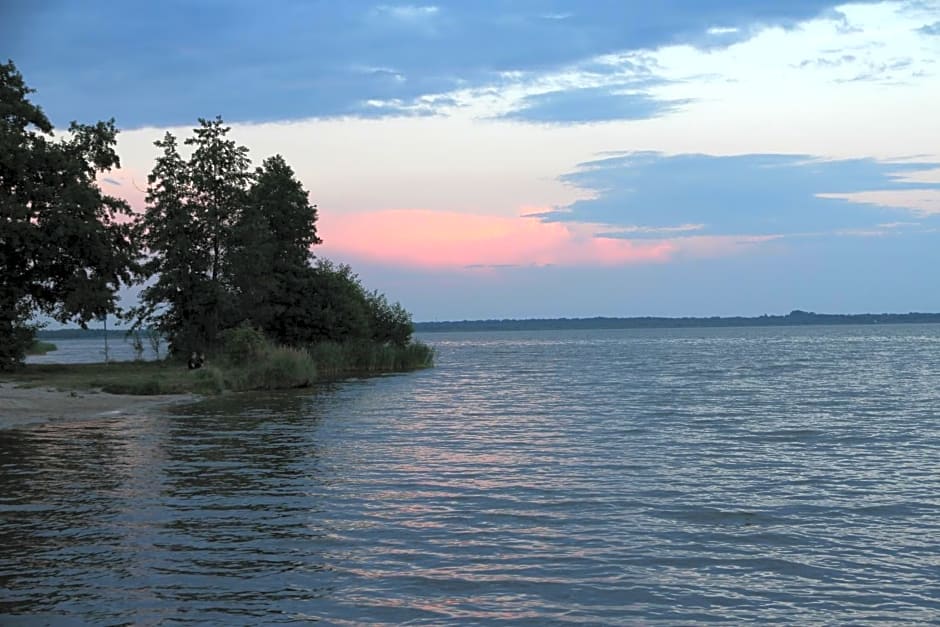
[(435, 239), (423, 238)]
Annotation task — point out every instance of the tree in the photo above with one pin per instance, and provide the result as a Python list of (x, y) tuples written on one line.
[(335, 306), (229, 249), (270, 254), (65, 247), (218, 172), (192, 207), (175, 302), (388, 323)]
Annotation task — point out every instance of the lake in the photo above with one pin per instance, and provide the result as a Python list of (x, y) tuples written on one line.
[(671, 476)]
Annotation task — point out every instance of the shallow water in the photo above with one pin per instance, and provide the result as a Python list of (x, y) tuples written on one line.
[(653, 476)]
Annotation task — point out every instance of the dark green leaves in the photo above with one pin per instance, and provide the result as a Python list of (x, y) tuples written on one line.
[(65, 247)]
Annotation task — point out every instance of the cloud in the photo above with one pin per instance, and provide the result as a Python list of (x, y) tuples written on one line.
[(758, 194), (812, 63), (408, 12), (415, 20), (434, 239), (831, 61), (919, 202), (633, 230), (592, 104), (930, 29), (251, 63)]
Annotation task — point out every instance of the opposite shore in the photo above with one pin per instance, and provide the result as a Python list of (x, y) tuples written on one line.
[(794, 318)]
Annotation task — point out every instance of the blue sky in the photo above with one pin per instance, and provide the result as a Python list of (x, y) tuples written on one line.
[(515, 159)]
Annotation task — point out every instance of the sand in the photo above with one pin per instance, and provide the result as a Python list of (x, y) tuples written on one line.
[(22, 406)]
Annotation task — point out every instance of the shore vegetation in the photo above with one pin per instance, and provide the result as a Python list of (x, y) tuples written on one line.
[(249, 362)]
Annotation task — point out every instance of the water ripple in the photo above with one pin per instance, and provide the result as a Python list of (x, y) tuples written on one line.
[(662, 476)]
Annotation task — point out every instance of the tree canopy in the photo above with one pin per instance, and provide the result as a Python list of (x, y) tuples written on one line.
[(65, 247), (230, 248)]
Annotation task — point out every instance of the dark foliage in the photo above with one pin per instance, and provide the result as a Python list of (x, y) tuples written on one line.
[(269, 261), (65, 247), (389, 323), (232, 249), (192, 207)]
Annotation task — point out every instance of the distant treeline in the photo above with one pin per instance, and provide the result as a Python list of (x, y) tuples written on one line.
[(794, 318)]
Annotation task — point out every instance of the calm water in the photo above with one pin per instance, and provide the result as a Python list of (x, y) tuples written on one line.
[(93, 351), (662, 476)]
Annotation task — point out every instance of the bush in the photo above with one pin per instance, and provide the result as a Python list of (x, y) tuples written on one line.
[(279, 368), (242, 344), (389, 323), (208, 380)]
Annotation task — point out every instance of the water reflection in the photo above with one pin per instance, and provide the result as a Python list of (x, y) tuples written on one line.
[(201, 507)]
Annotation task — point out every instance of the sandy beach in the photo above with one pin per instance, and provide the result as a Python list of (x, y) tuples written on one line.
[(22, 405)]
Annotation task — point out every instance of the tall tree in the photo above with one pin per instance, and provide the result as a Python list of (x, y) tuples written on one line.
[(219, 174), (271, 250), (192, 206), (176, 238), (65, 247)]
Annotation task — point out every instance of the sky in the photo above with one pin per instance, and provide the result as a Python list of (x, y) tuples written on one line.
[(515, 159)]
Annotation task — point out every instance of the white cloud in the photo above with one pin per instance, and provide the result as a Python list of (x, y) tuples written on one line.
[(663, 230), (820, 88), (408, 12), (920, 202)]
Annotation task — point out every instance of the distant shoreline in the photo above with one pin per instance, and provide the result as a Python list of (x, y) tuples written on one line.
[(794, 318)]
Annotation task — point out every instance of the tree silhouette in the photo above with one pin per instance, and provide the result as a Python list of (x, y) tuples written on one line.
[(65, 247)]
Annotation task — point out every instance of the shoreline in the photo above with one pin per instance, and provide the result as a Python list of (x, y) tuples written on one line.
[(24, 406)]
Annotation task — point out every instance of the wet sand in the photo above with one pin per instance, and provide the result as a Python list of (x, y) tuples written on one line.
[(22, 406)]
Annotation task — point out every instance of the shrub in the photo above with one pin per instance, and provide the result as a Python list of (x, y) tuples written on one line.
[(279, 368), (389, 323), (208, 380), (242, 344)]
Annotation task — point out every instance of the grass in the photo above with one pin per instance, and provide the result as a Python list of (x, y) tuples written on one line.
[(272, 368), (41, 348), (124, 377), (335, 360), (262, 367)]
